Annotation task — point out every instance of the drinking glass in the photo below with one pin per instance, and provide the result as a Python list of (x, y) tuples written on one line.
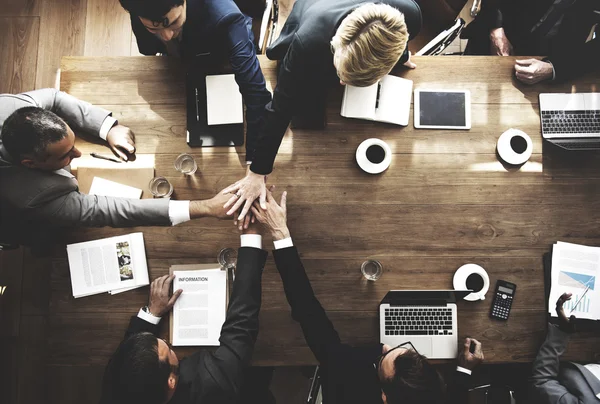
[(227, 258), (161, 187), (185, 164), (371, 270)]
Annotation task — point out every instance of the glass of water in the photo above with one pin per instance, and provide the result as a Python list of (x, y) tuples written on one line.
[(227, 258), (371, 270), (161, 187), (185, 164)]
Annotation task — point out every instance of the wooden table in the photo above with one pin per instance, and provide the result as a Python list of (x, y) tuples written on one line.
[(444, 201)]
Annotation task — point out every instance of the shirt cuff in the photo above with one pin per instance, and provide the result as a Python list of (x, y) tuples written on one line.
[(107, 125), (251, 240), (464, 370), (285, 243), (148, 317), (179, 212)]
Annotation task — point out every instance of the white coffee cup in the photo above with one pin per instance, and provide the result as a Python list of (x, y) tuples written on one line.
[(460, 281), (374, 156)]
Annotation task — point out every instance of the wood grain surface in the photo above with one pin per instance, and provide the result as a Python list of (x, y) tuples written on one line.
[(444, 201)]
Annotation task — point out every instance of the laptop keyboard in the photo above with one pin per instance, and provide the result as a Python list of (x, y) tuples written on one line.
[(571, 121), (418, 321)]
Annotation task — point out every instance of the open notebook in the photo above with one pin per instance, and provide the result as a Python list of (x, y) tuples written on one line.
[(388, 101)]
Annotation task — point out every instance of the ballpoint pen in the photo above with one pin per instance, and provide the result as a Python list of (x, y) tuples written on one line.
[(580, 299), (100, 156)]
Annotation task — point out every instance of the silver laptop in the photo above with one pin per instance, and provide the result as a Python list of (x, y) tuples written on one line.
[(572, 120), (426, 318)]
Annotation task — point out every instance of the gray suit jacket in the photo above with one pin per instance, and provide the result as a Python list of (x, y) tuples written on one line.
[(561, 383), (31, 199)]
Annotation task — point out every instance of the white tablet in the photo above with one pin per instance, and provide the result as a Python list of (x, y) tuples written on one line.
[(443, 109)]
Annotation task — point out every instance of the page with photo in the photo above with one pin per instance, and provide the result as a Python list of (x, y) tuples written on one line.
[(109, 264)]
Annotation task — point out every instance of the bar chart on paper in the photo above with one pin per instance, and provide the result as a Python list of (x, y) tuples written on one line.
[(582, 307)]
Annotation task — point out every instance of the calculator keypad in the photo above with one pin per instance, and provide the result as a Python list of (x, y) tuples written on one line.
[(501, 306)]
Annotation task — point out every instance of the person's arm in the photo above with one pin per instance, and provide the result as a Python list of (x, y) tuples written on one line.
[(576, 60), (467, 361), (248, 75), (240, 329)]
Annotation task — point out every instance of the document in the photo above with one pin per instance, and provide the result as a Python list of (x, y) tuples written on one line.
[(108, 265), (574, 270), (223, 100), (199, 313), (103, 187), (388, 101)]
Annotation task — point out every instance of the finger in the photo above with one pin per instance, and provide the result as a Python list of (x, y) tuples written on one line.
[(247, 207), (519, 69), (524, 62), (119, 153), (168, 281), (129, 147), (478, 351), (272, 188), (174, 298), (231, 201), (263, 198), (231, 189), (467, 345), (161, 281), (236, 207), (269, 196), (284, 201), (247, 221), (257, 213)]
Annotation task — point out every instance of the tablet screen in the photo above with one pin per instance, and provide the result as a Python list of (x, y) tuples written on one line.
[(442, 108)]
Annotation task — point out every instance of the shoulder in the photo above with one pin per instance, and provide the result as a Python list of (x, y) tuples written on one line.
[(25, 188), (218, 11), (9, 103)]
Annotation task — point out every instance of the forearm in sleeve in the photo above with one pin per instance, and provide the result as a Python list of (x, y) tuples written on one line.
[(318, 330), (80, 115), (576, 60)]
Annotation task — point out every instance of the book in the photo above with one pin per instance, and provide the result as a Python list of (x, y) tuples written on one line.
[(223, 100), (387, 101), (199, 313), (574, 270), (104, 187), (111, 265)]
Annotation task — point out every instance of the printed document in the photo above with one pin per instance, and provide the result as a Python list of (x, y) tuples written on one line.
[(109, 264), (575, 269), (223, 100), (199, 313)]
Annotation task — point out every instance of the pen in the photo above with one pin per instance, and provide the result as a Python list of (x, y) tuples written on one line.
[(580, 299), (100, 156), (197, 111)]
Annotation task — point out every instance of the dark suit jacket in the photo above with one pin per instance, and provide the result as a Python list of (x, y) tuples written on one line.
[(216, 377), (219, 28), (553, 382), (348, 375), (307, 64), (562, 40)]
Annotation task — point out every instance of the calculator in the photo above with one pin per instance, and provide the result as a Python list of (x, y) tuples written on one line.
[(502, 301)]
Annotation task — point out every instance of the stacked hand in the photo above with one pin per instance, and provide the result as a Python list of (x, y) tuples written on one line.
[(274, 215), (469, 360), (245, 192), (121, 141), (532, 71), (160, 302), (564, 323)]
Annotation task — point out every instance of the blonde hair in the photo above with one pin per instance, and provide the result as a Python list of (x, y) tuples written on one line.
[(368, 44)]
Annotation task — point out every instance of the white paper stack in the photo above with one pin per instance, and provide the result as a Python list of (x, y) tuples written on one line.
[(103, 187), (223, 100)]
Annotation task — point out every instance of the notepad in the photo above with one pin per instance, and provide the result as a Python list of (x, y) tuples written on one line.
[(223, 100), (104, 187), (388, 101)]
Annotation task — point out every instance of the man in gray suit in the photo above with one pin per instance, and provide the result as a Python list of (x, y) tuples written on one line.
[(37, 191), (563, 383)]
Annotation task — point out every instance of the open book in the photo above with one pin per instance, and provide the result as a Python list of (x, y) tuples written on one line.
[(113, 265), (199, 313), (388, 101), (575, 269)]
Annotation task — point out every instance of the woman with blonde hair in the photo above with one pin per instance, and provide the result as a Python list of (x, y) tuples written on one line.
[(352, 41)]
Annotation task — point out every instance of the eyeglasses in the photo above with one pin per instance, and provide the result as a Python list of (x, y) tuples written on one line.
[(379, 359)]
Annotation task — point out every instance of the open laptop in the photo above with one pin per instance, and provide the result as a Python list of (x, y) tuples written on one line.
[(572, 120), (426, 318)]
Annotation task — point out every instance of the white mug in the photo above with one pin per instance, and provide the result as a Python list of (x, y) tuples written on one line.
[(460, 281)]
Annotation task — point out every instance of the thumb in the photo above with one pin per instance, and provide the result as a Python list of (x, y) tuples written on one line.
[(284, 201), (263, 198), (120, 153), (174, 298), (524, 62)]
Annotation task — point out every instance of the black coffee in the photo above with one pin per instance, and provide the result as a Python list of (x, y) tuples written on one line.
[(474, 282), (375, 154), (518, 144)]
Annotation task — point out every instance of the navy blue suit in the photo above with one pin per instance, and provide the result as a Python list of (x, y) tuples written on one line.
[(218, 27)]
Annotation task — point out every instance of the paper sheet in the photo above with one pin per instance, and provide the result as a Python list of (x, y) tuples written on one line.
[(199, 313), (223, 100), (104, 187)]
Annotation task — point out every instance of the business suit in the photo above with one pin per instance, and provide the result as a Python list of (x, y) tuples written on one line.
[(553, 382), (555, 29), (218, 27), (307, 66), (218, 377), (348, 374), (32, 199)]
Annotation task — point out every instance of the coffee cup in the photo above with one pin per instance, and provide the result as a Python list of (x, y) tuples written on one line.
[(373, 156), (514, 147), (472, 277)]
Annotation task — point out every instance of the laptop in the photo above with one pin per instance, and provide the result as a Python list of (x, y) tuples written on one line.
[(571, 120), (426, 318)]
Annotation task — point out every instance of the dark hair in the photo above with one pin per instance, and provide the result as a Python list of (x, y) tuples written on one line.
[(415, 381), (154, 10), (30, 130), (135, 374)]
